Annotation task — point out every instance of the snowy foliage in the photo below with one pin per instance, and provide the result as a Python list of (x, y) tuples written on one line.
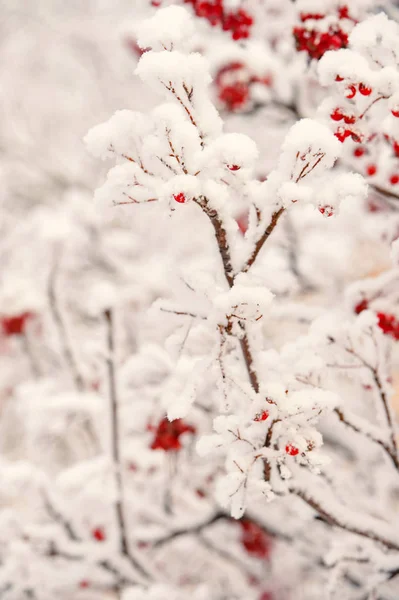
[(200, 365)]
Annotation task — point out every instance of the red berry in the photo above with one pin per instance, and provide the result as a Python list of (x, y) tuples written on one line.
[(180, 198), (254, 539), (371, 170), (337, 115), (361, 306), (349, 119), (395, 113), (98, 534), (364, 90), (394, 179), (234, 167), (234, 96), (15, 325), (343, 133), (167, 435), (358, 152), (343, 12), (339, 78), (291, 450), (84, 584), (395, 147), (262, 416), (389, 325), (328, 211), (350, 92)]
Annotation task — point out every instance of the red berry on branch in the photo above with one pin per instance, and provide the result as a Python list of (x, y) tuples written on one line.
[(15, 325), (371, 170), (349, 119), (395, 147), (255, 541), (337, 115), (98, 534), (364, 90), (328, 211), (342, 134), (234, 96), (84, 584), (394, 179), (350, 92), (339, 78), (291, 450), (262, 416), (389, 325), (359, 151), (167, 435), (395, 113), (234, 167), (361, 306), (181, 198)]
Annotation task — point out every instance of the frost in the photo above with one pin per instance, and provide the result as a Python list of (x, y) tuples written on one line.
[(169, 28)]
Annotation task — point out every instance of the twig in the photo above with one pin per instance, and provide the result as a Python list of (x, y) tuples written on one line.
[(265, 236), (115, 451), (335, 521)]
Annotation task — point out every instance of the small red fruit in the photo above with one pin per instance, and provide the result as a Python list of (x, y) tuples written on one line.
[(84, 584), (350, 92), (394, 179), (395, 113), (291, 450), (262, 416), (326, 210), (361, 306), (254, 539), (181, 198), (98, 534), (337, 115), (339, 78), (349, 119), (234, 167), (364, 90), (15, 325), (358, 152), (371, 170)]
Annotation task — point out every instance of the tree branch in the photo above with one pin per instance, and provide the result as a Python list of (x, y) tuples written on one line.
[(115, 452), (265, 236)]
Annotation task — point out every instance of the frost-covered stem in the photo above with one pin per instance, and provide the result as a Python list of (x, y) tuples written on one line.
[(344, 419), (385, 404), (265, 236), (115, 441), (335, 521), (60, 519), (190, 530), (62, 330), (388, 414), (225, 254), (224, 555)]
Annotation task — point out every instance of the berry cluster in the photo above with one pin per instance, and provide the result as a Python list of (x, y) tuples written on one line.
[(234, 82), (316, 41), (15, 325), (389, 324), (254, 539), (262, 416), (167, 434), (238, 22), (291, 450)]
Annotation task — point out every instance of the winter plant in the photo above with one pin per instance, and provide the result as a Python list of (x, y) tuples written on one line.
[(241, 426)]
